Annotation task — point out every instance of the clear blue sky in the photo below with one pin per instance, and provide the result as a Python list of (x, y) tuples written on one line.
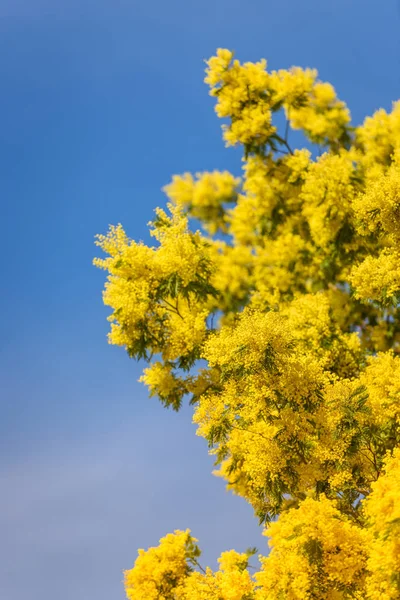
[(101, 102)]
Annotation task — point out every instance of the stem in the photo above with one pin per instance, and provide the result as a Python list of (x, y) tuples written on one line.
[(250, 431), (287, 130), (195, 562), (172, 308)]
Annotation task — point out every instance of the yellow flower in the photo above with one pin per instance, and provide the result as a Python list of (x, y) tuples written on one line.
[(279, 321)]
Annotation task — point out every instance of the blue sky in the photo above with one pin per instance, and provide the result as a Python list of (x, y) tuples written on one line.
[(101, 103)]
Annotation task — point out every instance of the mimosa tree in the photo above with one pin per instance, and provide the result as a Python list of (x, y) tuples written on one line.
[(270, 302)]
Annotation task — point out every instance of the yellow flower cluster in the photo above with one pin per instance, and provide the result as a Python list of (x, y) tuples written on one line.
[(166, 572), (378, 278), (327, 196), (205, 197), (377, 209), (280, 323), (312, 106), (315, 553), (160, 296), (160, 570), (242, 95), (231, 582), (232, 275), (248, 95), (382, 379), (279, 265), (377, 213), (379, 137), (266, 419), (383, 510)]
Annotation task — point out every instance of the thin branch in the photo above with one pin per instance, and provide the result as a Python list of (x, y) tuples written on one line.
[(287, 146), (196, 562), (282, 151), (249, 431), (287, 130), (172, 308), (168, 303)]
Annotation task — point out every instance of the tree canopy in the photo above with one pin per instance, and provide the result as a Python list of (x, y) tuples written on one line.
[(271, 303)]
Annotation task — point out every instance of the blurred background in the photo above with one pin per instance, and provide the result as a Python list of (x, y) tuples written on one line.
[(101, 102)]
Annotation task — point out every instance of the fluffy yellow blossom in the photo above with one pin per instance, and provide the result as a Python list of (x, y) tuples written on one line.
[(243, 97), (383, 511), (280, 325), (379, 136), (377, 210), (381, 377), (159, 571), (293, 86), (327, 194), (217, 67), (324, 118), (378, 278), (314, 551), (311, 105), (205, 197), (231, 582)]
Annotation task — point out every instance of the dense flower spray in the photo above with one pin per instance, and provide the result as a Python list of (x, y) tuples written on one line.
[(279, 321)]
